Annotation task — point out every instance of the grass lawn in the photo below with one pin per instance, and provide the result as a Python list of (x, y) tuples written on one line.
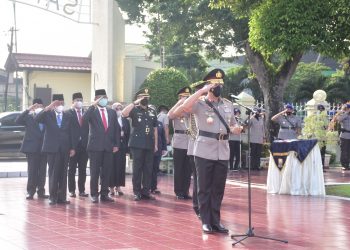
[(339, 190)]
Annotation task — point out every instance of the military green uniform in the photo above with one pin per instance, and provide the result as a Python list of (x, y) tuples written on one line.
[(143, 122), (212, 152)]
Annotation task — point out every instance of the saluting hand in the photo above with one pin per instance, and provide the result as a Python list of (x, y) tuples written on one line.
[(71, 153), (115, 149), (32, 107), (52, 105), (137, 102), (207, 87), (94, 103)]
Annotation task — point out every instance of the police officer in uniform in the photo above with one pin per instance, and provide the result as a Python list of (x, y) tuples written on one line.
[(290, 125), (211, 147), (142, 143), (257, 135), (344, 119), (235, 144), (163, 118), (31, 146), (182, 168)]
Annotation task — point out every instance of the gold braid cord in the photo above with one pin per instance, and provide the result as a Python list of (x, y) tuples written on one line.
[(191, 126)]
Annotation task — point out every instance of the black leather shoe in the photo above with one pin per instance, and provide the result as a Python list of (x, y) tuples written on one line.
[(119, 193), (220, 229), (137, 197), (64, 202), (106, 198), (72, 195), (29, 197), (83, 194), (52, 202), (94, 199), (147, 197), (43, 196), (196, 210), (155, 191), (187, 197), (180, 197), (207, 229)]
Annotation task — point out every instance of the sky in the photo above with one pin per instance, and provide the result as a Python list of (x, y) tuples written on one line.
[(41, 32)]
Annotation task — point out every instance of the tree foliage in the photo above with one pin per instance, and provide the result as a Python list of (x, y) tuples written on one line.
[(163, 85)]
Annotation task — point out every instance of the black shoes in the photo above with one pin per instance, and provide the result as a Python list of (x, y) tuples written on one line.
[(207, 229), (147, 197), (52, 202), (29, 196), (106, 198), (345, 169), (43, 196), (183, 197), (220, 229), (187, 197), (180, 197), (64, 202), (72, 195), (196, 210), (155, 191), (94, 199), (137, 197), (119, 193), (83, 194)]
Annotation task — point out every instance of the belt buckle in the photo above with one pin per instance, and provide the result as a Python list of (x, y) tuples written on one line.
[(187, 132), (147, 130), (221, 137)]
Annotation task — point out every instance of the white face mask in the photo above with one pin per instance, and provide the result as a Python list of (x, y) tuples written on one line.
[(78, 104), (37, 110), (59, 109), (119, 113)]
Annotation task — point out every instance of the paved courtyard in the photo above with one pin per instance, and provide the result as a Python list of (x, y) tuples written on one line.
[(167, 223)]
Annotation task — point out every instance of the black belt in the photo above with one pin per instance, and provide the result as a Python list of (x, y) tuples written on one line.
[(344, 130), (216, 136), (287, 127), (180, 131)]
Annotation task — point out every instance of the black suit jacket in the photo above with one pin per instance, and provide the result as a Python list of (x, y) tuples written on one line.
[(33, 137), (99, 139), (80, 134), (56, 138), (124, 140)]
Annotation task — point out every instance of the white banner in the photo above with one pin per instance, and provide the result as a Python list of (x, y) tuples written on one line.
[(76, 10)]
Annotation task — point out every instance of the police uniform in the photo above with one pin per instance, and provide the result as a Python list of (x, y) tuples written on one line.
[(143, 122), (289, 124), (211, 151), (344, 119), (235, 146), (182, 168), (256, 124)]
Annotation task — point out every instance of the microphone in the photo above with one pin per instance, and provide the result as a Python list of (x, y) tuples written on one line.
[(234, 97)]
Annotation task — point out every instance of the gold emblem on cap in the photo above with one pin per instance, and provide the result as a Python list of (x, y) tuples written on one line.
[(218, 74), (146, 91), (187, 90)]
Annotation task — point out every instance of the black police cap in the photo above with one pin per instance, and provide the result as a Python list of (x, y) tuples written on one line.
[(215, 76), (185, 91), (142, 92)]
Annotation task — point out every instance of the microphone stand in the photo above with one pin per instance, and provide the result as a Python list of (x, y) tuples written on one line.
[(250, 232)]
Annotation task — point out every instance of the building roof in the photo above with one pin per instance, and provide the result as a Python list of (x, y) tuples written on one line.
[(24, 61)]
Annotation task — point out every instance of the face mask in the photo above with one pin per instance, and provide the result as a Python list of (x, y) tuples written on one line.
[(119, 113), (103, 102), (78, 104), (38, 110), (144, 102), (216, 91), (288, 113), (59, 109)]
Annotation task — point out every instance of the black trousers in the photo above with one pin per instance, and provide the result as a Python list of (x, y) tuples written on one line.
[(255, 155), (58, 165), (195, 183), (118, 169), (142, 170), (211, 176), (100, 167), (79, 160), (344, 152), (323, 153), (155, 170), (182, 172), (36, 173), (235, 153)]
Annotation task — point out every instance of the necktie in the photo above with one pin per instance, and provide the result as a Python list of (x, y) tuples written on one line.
[(59, 120), (80, 118), (104, 121)]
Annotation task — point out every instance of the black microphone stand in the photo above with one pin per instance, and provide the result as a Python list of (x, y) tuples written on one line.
[(250, 232)]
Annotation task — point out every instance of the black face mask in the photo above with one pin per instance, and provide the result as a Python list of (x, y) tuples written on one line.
[(288, 113), (144, 102), (216, 91)]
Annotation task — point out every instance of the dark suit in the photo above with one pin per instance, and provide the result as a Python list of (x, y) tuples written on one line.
[(100, 147), (31, 146), (118, 169), (80, 138), (57, 144)]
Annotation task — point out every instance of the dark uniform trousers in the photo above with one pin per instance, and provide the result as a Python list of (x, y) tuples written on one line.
[(195, 189), (182, 172), (345, 152), (58, 164), (255, 154), (118, 170), (235, 153), (155, 170), (100, 167), (142, 169), (78, 160), (36, 173), (211, 176)]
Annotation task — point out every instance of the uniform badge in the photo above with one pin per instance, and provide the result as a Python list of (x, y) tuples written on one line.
[(210, 120), (182, 120), (139, 119)]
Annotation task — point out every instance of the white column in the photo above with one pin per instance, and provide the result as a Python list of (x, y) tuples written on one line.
[(108, 49)]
